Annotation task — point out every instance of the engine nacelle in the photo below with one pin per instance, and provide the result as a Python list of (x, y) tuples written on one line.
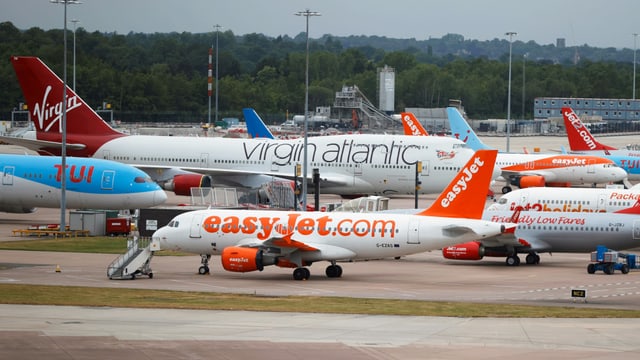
[(240, 259), (524, 182), (468, 251), (181, 184), (16, 209)]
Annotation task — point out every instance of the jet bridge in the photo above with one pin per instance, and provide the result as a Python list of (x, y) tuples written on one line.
[(136, 261)]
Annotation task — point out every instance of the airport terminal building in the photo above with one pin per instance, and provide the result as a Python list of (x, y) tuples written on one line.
[(588, 108)]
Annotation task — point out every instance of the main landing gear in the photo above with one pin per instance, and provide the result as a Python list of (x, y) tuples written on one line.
[(531, 259), (332, 271)]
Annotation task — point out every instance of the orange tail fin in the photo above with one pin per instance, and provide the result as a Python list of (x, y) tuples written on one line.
[(580, 137), (411, 125), (465, 197)]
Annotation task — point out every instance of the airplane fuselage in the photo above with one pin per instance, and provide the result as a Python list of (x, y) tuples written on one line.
[(347, 164)]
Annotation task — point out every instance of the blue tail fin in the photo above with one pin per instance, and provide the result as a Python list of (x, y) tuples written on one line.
[(461, 130), (255, 126)]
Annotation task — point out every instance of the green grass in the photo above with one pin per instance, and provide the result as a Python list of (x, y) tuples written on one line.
[(145, 298), (92, 296)]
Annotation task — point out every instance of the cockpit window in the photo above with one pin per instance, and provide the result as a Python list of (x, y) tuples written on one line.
[(173, 224), (142, 179)]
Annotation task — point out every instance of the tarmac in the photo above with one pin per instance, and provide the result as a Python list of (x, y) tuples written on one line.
[(59, 332)]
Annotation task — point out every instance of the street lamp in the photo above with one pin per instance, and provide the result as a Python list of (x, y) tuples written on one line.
[(510, 34), (635, 37), (63, 150), (75, 22), (217, 30), (306, 13), (524, 61)]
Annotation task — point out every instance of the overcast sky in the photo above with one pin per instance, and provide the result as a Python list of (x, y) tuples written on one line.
[(593, 22)]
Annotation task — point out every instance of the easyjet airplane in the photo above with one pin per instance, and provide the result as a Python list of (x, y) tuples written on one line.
[(553, 231), (581, 141), (411, 125), (347, 164), (568, 199), (527, 170), (32, 181), (250, 240)]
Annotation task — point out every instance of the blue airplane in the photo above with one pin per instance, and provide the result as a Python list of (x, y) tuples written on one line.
[(32, 181), (255, 126), (461, 130)]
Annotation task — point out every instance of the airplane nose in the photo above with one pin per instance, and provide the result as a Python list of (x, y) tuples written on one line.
[(159, 197)]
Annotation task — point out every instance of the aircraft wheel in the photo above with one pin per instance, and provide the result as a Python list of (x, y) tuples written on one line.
[(334, 271), (506, 189), (591, 268), (150, 275), (513, 260), (203, 270), (533, 259), (133, 276), (301, 274), (625, 269)]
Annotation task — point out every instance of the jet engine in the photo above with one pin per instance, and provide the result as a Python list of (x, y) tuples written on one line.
[(16, 209), (528, 181), (468, 251), (241, 259), (181, 184)]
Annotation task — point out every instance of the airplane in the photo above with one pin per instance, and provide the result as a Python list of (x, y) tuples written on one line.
[(348, 165), (568, 199), (551, 231), (256, 128), (528, 170), (32, 181), (411, 125), (249, 240), (581, 141)]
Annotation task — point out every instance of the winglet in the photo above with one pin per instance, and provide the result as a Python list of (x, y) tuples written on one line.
[(412, 126), (461, 130), (256, 128), (580, 137), (465, 196)]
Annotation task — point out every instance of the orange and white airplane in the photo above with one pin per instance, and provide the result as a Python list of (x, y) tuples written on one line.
[(568, 199), (581, 141), (348, 164), (249, 240), (529, 170)]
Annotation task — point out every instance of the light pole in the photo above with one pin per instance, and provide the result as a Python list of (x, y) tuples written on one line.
[(306, 13), (217, 30), (510, 34), (63, 150), (524, 61), (635, 37), (75, 22)]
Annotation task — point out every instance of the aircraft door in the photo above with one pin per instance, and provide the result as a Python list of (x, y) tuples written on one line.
[(591, 167), (413, 236), (106, 182), (195, 227), (7, 175), (425, 168), (602, 202), (204, 160), (523, 197)]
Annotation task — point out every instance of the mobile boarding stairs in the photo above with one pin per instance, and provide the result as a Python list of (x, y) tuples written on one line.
[(136, 261)]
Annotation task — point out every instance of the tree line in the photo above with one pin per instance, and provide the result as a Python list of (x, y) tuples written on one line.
[(163, 76)]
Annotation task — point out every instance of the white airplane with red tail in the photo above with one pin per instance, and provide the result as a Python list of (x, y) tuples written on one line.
[(348, 164), (581, 141), (249, 240)]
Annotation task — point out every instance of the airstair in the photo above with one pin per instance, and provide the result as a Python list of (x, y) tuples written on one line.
[(350, 97), (134, 262)]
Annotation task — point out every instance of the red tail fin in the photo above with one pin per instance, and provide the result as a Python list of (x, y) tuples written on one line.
[(635, 209), (42, 90), (411, 125), (580, 137), (465, 197)]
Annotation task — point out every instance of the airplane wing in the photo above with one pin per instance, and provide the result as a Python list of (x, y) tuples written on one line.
[(287, 246), (548, 176), (457, 230), (37, 145)]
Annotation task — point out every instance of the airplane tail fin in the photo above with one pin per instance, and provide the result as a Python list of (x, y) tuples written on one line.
[(461, 130), (465, 196), (411, 125), (42, 90), (256, 128), (580, 138)]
